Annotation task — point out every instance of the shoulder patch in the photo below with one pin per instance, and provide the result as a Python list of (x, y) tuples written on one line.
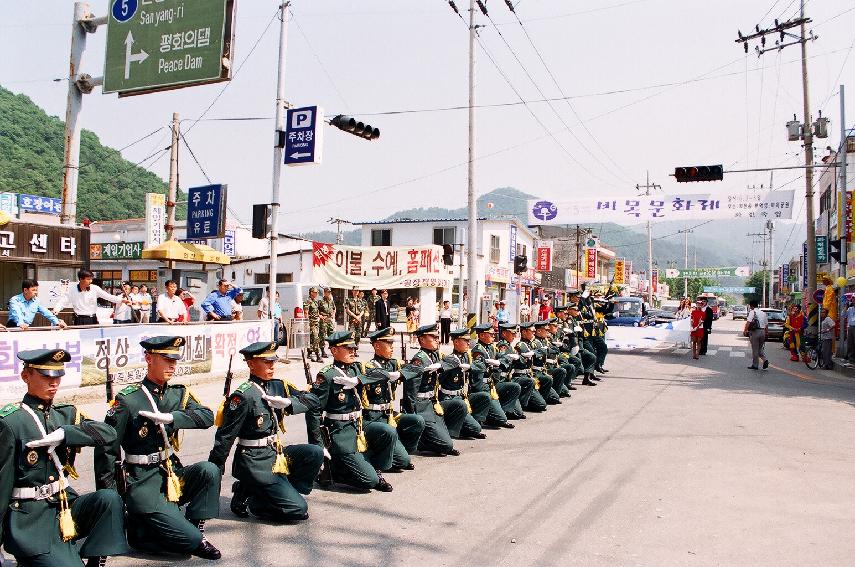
[(244, 387), (8, 409), (234, 402), (129, 389)]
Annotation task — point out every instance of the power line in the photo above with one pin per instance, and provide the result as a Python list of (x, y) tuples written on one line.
[(205, 173), (318, 59)]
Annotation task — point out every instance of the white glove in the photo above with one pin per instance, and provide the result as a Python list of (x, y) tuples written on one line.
[(465, 366), (574, 351), (493, 362), (394, 376), (349, 382), (577, 328), (550, 360), (51, 440), (528, 354), (327, 454), (434, 366), (277, 402), (157, 417), (514, 356)]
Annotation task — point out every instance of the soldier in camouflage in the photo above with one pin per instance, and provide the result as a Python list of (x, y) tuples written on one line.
[(369, 311), (326, 307), (313, 314), (353, 313)]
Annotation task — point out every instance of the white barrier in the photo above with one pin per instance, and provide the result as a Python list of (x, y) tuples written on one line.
[(207, 349), (668, 335)]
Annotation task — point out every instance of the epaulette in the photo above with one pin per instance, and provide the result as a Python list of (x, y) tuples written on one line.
[(244, 387), (9, 409), (129, 389), (325, 369)]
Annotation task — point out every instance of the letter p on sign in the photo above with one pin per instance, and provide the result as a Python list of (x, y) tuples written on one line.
[(301, 119)]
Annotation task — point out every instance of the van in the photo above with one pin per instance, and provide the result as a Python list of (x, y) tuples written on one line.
[(291, 296), (628, 312)]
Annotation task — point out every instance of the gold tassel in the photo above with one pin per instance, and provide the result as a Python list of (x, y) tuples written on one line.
[(175, 442), (364, 398), (280, 466), (468, 405), (437, 407), (173, 487), (70, 471), (218, 418), (494, 395), (393, 419), (67, 529), (536, 383), (361, 441)]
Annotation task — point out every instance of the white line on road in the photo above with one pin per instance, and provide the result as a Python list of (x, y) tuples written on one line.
[(737, 354), (712, 352), (725, 348)]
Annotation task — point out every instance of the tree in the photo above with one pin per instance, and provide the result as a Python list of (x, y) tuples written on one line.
[(757, 280), (696, 286)]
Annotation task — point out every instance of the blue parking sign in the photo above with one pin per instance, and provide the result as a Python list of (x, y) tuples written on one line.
[(303, 135), (206, 211)]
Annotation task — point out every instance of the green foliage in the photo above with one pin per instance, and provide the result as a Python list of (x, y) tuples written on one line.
[(696, 286), (31, 158), (757, 281)]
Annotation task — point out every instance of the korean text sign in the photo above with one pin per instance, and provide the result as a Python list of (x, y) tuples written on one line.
[(379, 266), (206, 216)]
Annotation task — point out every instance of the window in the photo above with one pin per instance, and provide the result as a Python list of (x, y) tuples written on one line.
[(521, 249), (825, 200), (494, 249), (381, 237), (444, 236), (264, 279)]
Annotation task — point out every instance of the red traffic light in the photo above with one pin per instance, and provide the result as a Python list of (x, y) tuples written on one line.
[(699, 173)]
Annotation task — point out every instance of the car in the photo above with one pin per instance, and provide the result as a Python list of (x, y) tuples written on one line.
[(628, 312), (739, 312), (660, 316), (776, 323)]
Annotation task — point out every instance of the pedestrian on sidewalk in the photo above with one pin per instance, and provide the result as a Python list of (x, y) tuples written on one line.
[(83, 299), (445, 322), (826, 337), (849, 315), (757, 329), (697, 333), (794, 324)]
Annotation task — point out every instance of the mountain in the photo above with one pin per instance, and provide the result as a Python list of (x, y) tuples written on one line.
[(31, 159)]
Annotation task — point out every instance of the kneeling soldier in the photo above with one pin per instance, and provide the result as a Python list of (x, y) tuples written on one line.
[(546, 362), (382, 375), (271, 478), (340, 431), (456, 381), (504, 394), (41, 516), (147, 417)]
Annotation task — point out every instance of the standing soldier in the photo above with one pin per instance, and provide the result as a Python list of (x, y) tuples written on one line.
[(517, 371), (353, 314), (271, 478), (602, 307), (147, 418), (382, 375), (504, 394), (313, 314), (588, 358), (459, 380), (41, 516), (337, 425), (571, 364), (588, 316), (443, 419), (326, 308), (370, 302)]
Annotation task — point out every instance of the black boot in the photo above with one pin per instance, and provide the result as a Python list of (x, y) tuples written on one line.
[(325, 475), (206, 550), (238, 505), (382, 484), (587, 380)]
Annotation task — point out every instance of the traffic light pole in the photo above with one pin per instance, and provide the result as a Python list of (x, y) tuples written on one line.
[(647, 189), (471, 258), (844, 234)]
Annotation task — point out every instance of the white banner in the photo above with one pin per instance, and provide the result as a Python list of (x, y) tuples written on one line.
[(388, 267), (683, 206), (208, 348), (155, 219), (667, 335)]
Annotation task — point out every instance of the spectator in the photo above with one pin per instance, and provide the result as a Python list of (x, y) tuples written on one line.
[(794, 324), (850, 330), (381, 310), (708, 320), (411, 321), (218, 305), (445, 322), (145, 304), (756, 329), (502, 315), (417, 311), (24, 307), (826, 337), (83, 299), (123, 314), (697, 333), (170, 308), (237, 308), (188, 300), (154, 298), (545, 309), (525, 312), (134, 296), (262, 312)]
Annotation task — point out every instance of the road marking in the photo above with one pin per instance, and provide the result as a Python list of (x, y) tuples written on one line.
[(737, 354), (725, 348), (712, 352)]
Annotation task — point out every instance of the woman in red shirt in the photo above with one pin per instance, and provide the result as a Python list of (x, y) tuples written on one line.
[(697, 333)]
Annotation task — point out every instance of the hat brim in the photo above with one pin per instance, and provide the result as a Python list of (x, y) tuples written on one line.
[(49, 372), (169, 355)]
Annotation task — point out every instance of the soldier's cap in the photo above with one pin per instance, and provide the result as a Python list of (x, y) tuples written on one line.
[(341, 338), (512, 327), (48, 361), (168, 347), (538, 325), (426, 330), (263, 350), (384, 334), (552, 321), (528, 325), (462, 333), (483, 328), (559, 309)]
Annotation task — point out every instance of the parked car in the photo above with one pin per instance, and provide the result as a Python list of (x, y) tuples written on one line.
[(739, 312), (628, 312), (776, 323), (659, 316)]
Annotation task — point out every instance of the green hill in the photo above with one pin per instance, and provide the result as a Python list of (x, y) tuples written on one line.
[(31, 152)]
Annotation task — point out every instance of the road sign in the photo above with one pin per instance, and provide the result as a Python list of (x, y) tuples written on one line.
[(167, 44), (721, 289), (303, 137), (736, 271), (543, 256), (206, 211), (821, 249)]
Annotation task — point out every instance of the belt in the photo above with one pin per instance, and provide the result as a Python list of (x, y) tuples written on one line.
[(424, 395), (263, 442), (521, 372), (452, 392), (42, 492), (378, 407), (538, 368), (150, 459), (352, 416)]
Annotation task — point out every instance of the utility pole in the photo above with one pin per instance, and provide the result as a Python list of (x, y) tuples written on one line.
[(770, 226), (760, 237), (844, 234), (686, 261), (647, 187), (472, 276), (173, 179), (278, 151), (339, 238)]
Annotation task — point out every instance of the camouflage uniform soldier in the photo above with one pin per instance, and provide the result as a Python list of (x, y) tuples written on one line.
[(312, 313), (326, 307), (369, 311), (353, 312)]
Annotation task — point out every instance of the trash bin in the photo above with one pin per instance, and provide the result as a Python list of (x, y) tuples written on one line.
[(299, 333)]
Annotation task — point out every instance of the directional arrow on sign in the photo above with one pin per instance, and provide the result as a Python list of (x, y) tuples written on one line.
[(297, 155), (743, 271), (131, 57)]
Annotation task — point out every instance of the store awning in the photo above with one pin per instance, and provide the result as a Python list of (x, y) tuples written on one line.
[(174, 251)]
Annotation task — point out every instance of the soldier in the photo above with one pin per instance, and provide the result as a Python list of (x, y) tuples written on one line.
[(589, 320), (41, 516), (517, 371), (588, 358), (326, 308), (457, 380), (547, 356), (271, 478), (504, 394), (524, 366), (382, 375), (443, 419), (369, 311), (147, 417), (353, 313), (564, 339), (312, 313), (602, 307), (346, 438)]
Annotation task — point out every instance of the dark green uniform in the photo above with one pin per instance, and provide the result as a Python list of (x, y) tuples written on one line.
[(600, 329), (378, 390), (591, 340), (494, 373), (368, 313), (526, 366), (564, 339), (513, 368), (585, 354), (312, 313), (454, 383), (250, 421), (543, 366), (155, 524), (29, 488), (421, 389)]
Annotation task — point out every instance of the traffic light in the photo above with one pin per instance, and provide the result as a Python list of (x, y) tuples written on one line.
[(353, 126), (520, 264), (259, 221), (448, 254), (699, 173), (834, 249)]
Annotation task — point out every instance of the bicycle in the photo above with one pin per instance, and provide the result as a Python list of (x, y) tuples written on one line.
[(810, 353)]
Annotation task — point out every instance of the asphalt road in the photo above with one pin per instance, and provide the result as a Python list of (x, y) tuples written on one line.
[(669, 461)]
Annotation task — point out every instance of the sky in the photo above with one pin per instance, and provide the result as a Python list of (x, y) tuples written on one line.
[(652, 84)]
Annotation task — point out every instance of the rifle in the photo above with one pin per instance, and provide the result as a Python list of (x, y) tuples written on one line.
[(227, 389), (119, 474), (325, 475), (306, 369), (403, 349)]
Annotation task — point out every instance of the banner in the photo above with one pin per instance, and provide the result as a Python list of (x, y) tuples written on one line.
[(664, 336), (655, 280), (729, 272), (727, 289), (38, 204), (682, 206), (591, 263), (543, 258), (155, 219), (389, 267), (207, 349), (620, 277)]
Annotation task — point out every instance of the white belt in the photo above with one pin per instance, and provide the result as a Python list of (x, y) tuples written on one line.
[(352, 416), (150, 459), (424, 395), (451, 392), (42, 492), (538, 368), (378, 407), (520, 372), (263, 442)]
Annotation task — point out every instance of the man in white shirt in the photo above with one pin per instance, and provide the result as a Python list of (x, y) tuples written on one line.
[(83, 299), (826, 337), (123, 314), (170, 307), (756, 334), (145, 304)]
